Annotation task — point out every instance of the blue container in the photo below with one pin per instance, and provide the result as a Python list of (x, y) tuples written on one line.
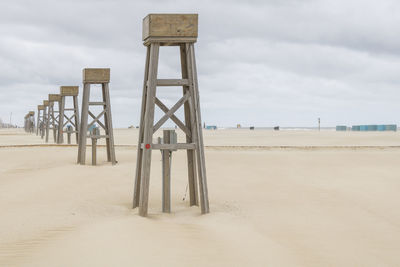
[(355, 128), (391, 127), (372, 127), (341, 128), (363, 128), (381, 128)]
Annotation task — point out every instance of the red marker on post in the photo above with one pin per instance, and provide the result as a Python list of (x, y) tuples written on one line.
[(147, 146)]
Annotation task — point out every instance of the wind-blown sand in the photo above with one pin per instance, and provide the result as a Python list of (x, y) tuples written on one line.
[(313, 199)]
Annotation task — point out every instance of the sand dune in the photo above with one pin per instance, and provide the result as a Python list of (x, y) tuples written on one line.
[(279, 207)]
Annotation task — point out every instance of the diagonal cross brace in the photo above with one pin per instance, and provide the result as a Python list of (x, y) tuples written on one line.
[(69, 120), (96, 119), (171, 111), (178, 122)]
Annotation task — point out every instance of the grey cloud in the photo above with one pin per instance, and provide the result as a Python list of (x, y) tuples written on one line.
[(259, 62)]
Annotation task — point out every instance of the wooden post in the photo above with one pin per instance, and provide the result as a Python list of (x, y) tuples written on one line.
[(94, 134), (170, 30), (166, 174), (45, 121), (96, 76), (69, 131)]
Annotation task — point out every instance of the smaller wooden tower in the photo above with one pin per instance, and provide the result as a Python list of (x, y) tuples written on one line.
[(39, 126), (52, 116), (31, 121), (102, 77), (70, 114)]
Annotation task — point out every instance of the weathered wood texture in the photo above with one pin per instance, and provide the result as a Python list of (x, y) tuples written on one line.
[(175, 27), (54, 97), (96, 75), (69, 90), (45, 103), (166, 173)]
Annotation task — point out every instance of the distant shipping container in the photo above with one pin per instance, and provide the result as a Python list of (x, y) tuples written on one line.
[(341, 128), (374, 127)]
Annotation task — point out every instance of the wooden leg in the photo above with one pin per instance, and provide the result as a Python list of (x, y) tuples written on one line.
[(94, 148), (136, 190), (54, 126), (60, 138), (108, 124), (148, 130), (48, 123), (192, 177), (44, 121), (84, 121), (38, 121), (197, 131), (76, 112)]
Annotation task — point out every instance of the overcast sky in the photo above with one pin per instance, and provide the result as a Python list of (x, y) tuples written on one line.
[(263, 63)]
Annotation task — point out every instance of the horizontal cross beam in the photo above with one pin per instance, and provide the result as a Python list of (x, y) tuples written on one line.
[(172, 82), (172, 146)]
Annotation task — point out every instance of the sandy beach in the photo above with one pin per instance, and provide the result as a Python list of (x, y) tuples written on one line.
[(277, 198)]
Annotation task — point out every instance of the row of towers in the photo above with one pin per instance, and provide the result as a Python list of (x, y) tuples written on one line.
[(55, 118)]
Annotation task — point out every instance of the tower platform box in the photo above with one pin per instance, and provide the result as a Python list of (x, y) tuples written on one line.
[(96, 75), (54, 97), (69, 90), (45, 103), (171, 27), (40, 107)]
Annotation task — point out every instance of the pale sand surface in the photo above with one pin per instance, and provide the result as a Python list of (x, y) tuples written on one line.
[(325, 207)]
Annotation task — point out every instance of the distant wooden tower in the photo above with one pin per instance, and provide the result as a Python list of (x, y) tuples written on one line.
[(45, 121), (31, 121), (96, 76), (52, 118), (73, 117), (39, 125), (26, 123), (171, 30)]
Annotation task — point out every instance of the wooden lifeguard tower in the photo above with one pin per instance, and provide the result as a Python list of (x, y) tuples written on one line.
[(39, 125), (71, 114), (171, 30), (102, 77), (52, 118), (26, 122), (31, 121)]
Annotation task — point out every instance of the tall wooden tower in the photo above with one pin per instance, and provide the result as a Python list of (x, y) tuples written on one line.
[(178, 30)]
